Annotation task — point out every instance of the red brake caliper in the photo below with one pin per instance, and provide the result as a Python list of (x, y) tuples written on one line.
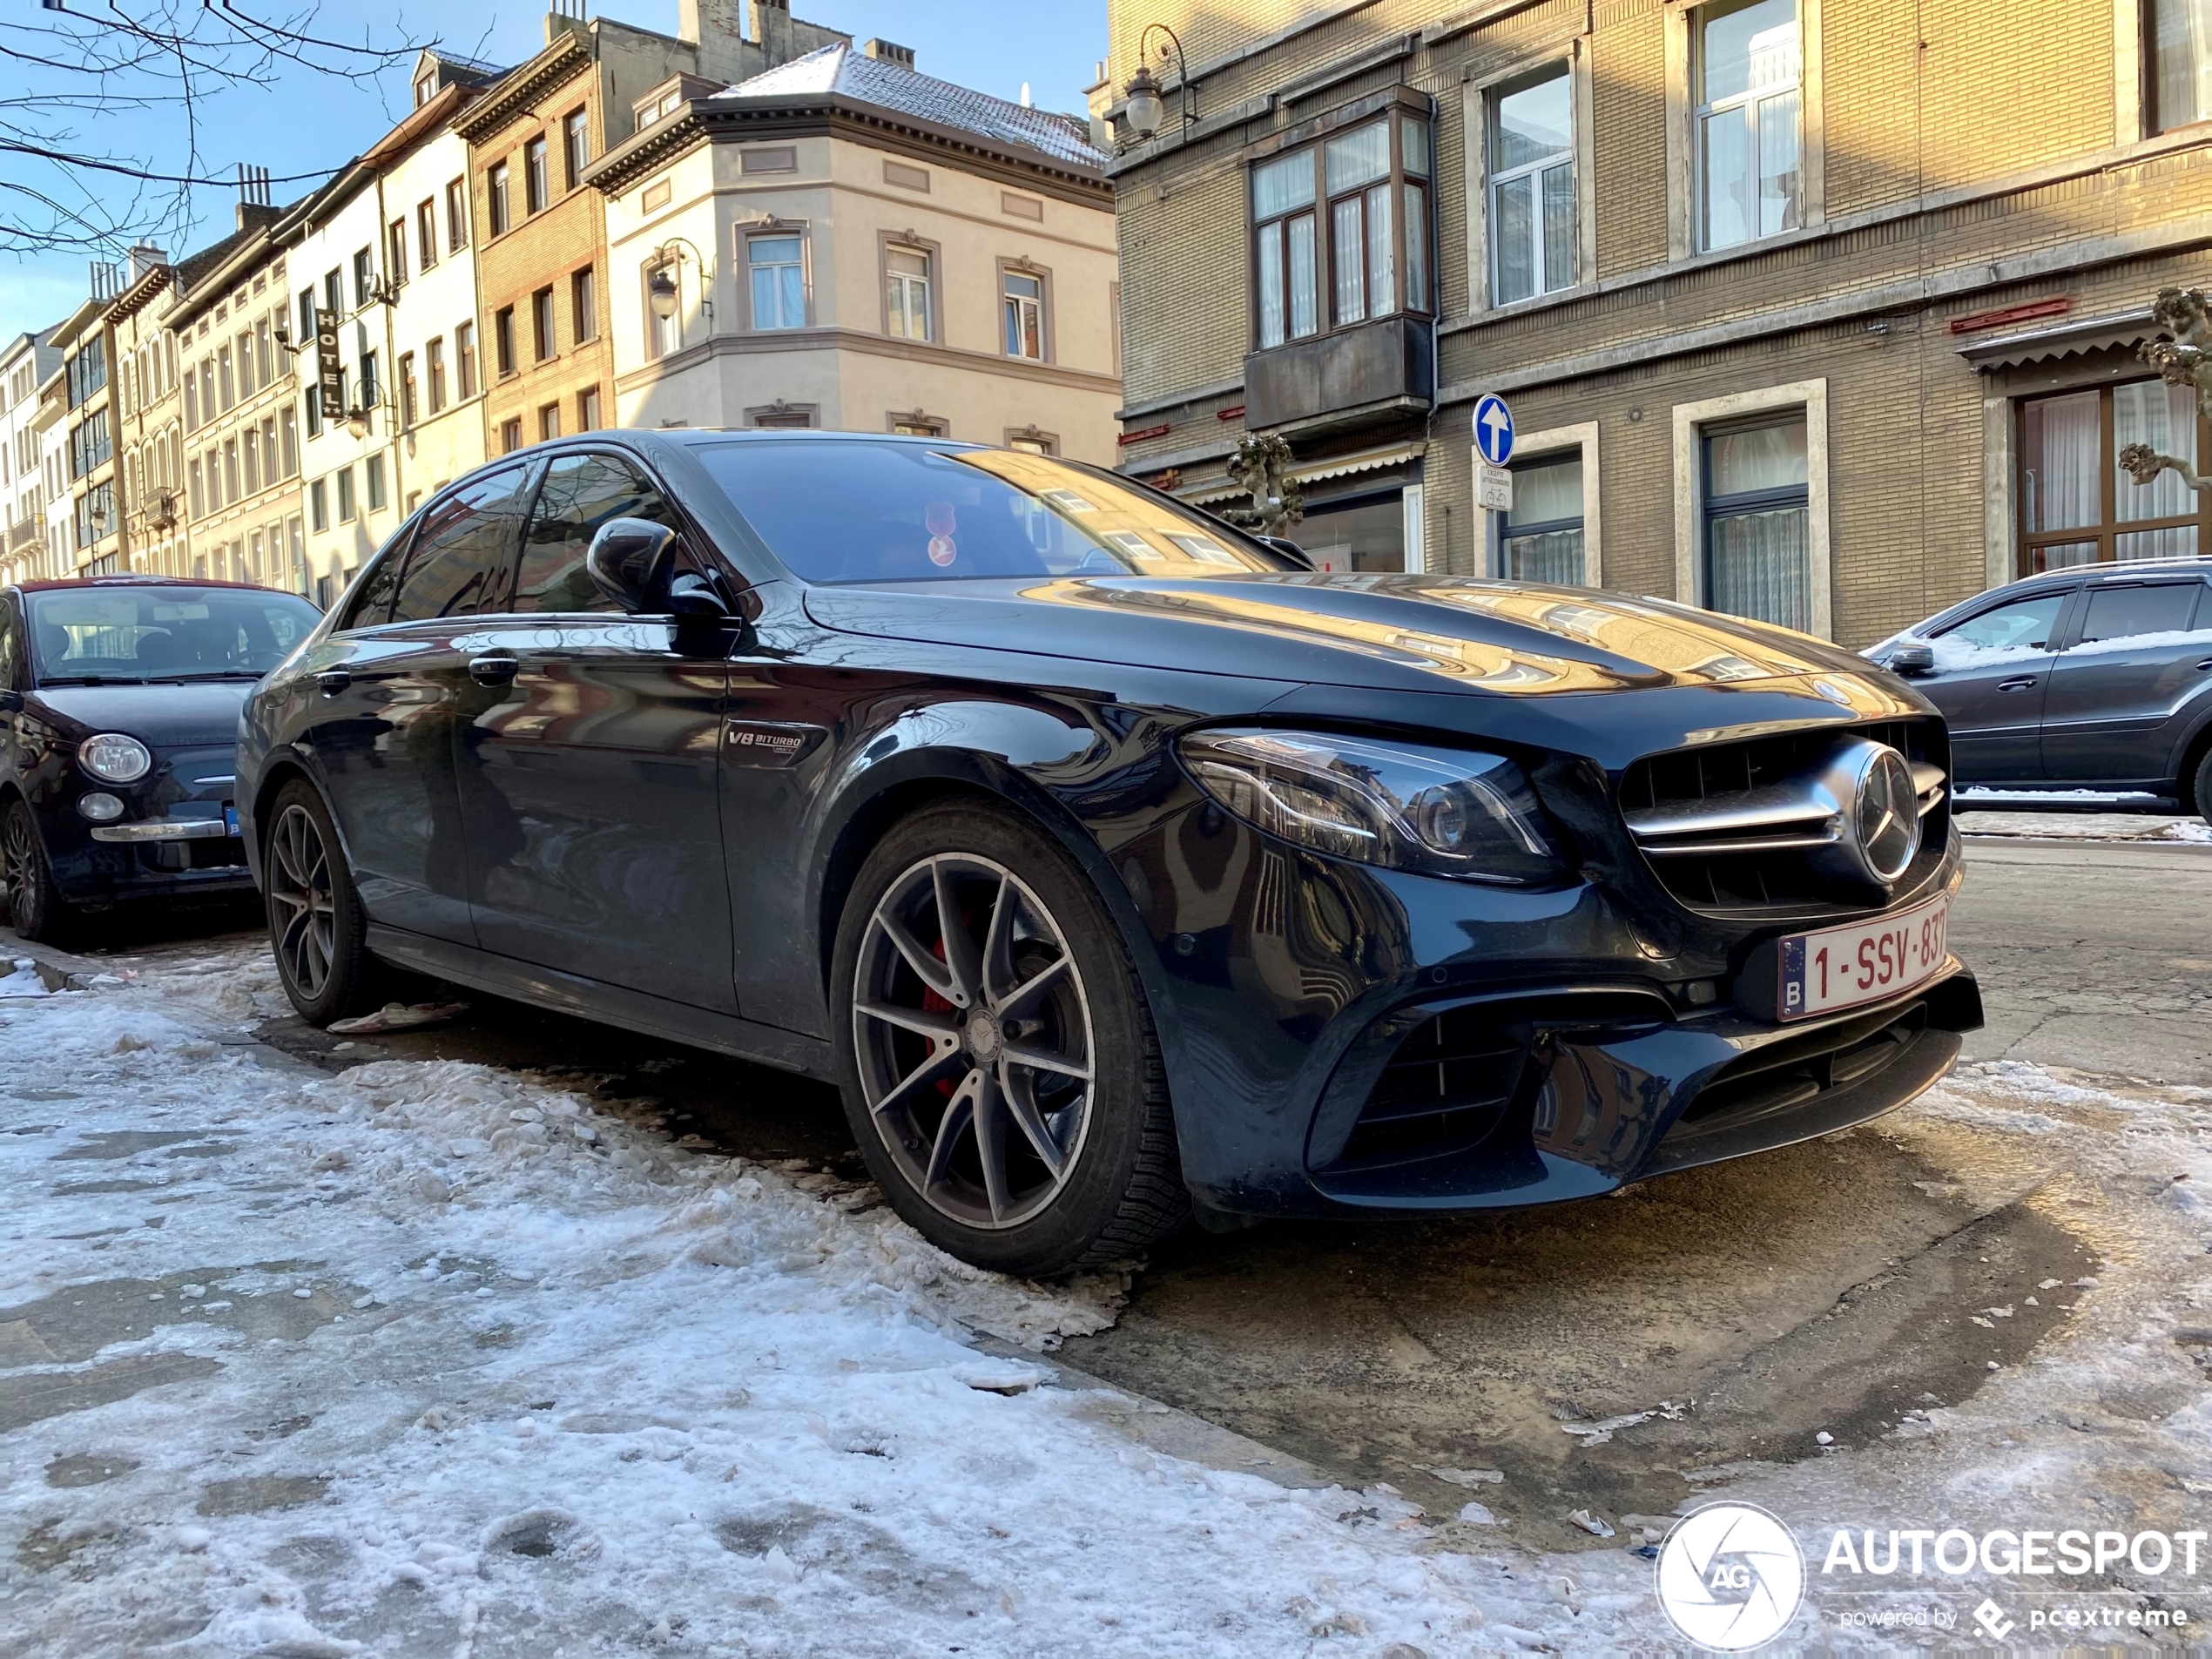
[(933, 1003)]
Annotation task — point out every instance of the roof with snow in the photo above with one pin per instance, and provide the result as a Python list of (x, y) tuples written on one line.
[(843, 70)]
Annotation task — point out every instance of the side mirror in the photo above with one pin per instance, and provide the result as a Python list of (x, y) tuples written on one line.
[(694, 598), (1912, 661), (1290, 550), (629, 560)]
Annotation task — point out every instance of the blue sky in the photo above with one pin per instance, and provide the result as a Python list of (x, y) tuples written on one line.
[(309, 123)]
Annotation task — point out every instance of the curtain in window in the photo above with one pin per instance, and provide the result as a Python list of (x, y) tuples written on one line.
[(1541, 539), (1758, 565), (2183, 62), (1352, 292), (1416, 248), (1554, 557), (1271, 319), (1382, 280), (2164, 417), (2061, 484), (778, 290), (1306, 293)]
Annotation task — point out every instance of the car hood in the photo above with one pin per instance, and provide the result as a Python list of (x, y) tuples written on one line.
[(1424, 633), (161, 717)]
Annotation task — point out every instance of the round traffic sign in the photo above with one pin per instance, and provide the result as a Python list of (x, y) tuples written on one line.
[(1493, 428)]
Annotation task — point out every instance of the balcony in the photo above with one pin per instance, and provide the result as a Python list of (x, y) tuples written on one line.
[(30, 533), (1360, 376)]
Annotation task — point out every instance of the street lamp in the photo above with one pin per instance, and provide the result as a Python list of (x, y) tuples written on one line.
[(663, 291), (1142, 105)]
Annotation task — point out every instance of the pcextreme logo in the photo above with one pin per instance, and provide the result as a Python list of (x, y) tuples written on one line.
[(1731, 1577)]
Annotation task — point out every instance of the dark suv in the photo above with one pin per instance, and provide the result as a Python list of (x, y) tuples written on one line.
[(2096, 678), (1111, 862)]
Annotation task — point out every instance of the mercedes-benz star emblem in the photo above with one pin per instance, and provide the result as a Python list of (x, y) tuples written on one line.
[(1887, 814)]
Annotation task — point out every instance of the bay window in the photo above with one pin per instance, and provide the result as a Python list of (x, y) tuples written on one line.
[(1354, 205)]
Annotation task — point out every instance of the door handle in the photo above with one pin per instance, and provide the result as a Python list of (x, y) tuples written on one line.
[(493, 670), (2026, 682), (2206, 663), (332, 681)]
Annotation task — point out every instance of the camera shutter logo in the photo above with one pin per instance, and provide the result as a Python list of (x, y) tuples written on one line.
[(1731, 1577)]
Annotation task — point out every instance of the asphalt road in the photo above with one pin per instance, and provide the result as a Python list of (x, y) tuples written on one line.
[(1816, 1288)]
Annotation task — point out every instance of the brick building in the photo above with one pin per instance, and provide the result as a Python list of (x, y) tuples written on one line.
[(541, 251), (1816, 310)]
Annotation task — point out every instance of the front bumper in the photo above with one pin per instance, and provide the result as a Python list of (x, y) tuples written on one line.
[(1341, 1038), (173, 841)]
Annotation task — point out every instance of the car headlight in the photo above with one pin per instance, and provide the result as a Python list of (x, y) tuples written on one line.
[(115, 759), (1403, 805)]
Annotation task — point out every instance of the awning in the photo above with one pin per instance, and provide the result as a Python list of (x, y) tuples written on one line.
[(1312, 472), (2069, 339)]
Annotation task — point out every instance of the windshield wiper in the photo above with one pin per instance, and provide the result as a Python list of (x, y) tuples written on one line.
[(214, 674), (92, 679)]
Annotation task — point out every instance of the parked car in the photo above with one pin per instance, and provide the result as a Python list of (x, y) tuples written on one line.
[(1110, 865), (119, 699), (2096, 678)]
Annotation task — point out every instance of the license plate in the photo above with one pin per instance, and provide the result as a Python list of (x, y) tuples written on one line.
[(1841, 967), (230, 820)]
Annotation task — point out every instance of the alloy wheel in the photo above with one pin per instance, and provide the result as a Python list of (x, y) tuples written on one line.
[(303, 905), (19, 861), (973, 1030)]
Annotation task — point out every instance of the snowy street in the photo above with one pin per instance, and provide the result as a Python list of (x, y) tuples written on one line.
[(492, 1338)]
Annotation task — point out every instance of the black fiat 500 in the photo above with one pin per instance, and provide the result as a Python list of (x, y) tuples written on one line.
[(118, 731), (1111, 863)]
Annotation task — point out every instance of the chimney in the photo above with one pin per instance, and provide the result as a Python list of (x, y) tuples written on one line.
[(711, 23), (144, 257), (885, 51), (772, 29)]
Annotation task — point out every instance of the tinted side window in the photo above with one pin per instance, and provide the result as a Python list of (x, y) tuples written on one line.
[(464, 551), (372, 605), (2120, 613), (2025, 623), (580, 494), (10, 649)]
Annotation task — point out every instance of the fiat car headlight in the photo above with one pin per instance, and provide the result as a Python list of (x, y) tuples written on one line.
[(1403, 805), (115, 759)]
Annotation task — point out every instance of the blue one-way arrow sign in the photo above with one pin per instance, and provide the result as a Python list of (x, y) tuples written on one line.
[(1493, 429)]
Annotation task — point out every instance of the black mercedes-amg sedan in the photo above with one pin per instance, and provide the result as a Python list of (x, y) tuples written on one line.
[(1112, 864), (119, 729)]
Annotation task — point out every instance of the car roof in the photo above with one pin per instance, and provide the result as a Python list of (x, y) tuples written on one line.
[(48, 584)]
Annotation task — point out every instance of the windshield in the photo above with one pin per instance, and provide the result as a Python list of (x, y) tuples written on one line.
[(131, 636), (841, 512)]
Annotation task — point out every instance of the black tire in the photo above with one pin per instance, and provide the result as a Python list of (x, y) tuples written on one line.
[(2196, 787), (317, 928), (36, 906), (1118, 1187)]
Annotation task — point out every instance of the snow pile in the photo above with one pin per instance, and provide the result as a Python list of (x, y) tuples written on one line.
[(23, 980), (2086, 826)]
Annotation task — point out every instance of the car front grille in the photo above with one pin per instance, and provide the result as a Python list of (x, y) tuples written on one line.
[(1447, 1086), (1738, 829)]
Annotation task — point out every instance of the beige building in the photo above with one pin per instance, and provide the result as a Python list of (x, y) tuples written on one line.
[(1816, 310), (236, 355), (93, 511), (844, 242), (148, 414)]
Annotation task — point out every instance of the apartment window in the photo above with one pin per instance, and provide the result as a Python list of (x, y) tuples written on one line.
[(664, 335), (535, 194), (2077, 507), (548, 422), (510, 435), (777, 268), (587, 410), (495, 190), (1354, 206), (456, 216), (251, 455), (2181, 90), (1542, 538), (542, 335), (434, 365), (314, 411), (1022, 313), (372, 383), (1747, 68), (464, 360), (396, 251), (583, 305), (319, 505), (502, 338), (196, 493), (264, 351), (192, 402), (223, 378), (907, 299), (576, 145), (246, 381), (347, 513), (916, 426), (1756, 516), (1532, 185), (426, 234), (364, 276), (231, 470), (289, 426), (372, 476), (407, 411)]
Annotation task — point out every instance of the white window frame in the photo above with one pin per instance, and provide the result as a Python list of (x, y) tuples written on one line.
[(747, 235), (907, 283), (1535, 446), (1017, 308), (1533, 172), (1683, 170), (1690, 420), (1474, 114)]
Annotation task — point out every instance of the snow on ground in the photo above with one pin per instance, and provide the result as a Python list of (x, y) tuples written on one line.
[(2084, 827), (434, 1359)]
